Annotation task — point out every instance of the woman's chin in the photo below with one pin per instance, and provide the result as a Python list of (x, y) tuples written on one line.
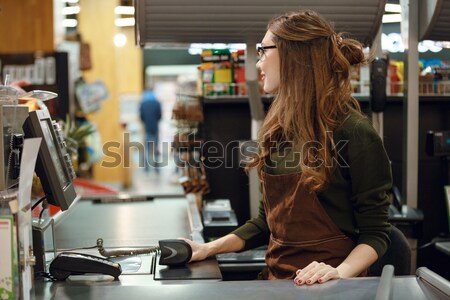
[(266, 89), (269, 90)]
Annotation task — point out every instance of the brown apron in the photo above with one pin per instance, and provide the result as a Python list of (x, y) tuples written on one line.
[(301, 230)]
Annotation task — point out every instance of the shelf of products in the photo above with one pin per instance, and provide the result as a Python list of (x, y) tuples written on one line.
[(222, 75), (187, 144)]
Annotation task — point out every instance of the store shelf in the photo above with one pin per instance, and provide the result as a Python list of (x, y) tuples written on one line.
[(232, 99), (360, 98)]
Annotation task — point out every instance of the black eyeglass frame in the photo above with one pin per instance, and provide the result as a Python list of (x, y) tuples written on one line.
[(261, 50)]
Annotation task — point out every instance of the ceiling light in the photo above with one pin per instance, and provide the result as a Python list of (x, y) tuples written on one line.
[(124, 10), (69, 23), (124, 22), (197, 48), (392, 18), (120, 40), (395, 8), (70, 10), (443, 44)]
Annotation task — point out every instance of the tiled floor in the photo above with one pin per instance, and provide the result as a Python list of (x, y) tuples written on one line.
[(164, 183)]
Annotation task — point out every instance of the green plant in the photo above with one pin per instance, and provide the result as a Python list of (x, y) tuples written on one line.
[(75, 135)]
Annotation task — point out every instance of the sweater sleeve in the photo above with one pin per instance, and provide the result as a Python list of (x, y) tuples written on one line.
[(371, 179), (254, 232)]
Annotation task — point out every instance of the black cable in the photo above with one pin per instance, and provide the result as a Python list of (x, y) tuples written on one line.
[(38, 202), (75, 249), (45, 275), (426, 245), (14, 185), (44, 207)]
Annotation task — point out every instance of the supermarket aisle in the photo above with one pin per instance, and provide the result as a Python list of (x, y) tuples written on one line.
[(164, 183), (168, 82)]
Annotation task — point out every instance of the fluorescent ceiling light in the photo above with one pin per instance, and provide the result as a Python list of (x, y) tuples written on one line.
[(395, 8), (197, 48), (392, 18), (443, 44), (69, 23), (393, 43), (124, 22), (124, 10), (70, 10), (429, 45)]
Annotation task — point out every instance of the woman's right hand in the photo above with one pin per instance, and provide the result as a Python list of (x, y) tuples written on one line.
[(225, 244), (199, 251)]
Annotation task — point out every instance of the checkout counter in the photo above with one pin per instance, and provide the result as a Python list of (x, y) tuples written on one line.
[(143, 223)]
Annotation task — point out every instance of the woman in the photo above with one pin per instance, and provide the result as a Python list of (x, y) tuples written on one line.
[(324, 171)]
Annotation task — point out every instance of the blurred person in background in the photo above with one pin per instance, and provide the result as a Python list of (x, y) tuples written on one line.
[(150, 114)]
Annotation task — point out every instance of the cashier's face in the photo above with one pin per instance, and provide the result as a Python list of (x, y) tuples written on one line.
[(269, 64)]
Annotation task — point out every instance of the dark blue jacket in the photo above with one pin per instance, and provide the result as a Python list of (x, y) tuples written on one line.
[(150, 112)]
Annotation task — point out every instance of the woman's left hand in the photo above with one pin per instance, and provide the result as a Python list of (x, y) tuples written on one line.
[(316, 272)]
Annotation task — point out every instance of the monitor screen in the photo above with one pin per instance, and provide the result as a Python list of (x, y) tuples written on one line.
[(54, 165)]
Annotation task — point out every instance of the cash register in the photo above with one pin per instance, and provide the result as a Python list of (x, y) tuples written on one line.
[(438, 145)]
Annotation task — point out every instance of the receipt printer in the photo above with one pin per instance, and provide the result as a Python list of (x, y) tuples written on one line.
[(218, 218)]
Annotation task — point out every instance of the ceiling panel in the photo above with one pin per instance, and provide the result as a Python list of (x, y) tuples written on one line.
[(435, 20), (242, 21)]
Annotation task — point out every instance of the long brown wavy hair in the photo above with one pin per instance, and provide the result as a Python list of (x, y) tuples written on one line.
[(314, 96)]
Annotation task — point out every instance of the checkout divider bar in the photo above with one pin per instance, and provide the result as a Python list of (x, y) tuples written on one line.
[(434, 279), (195, 221), (384, 291)]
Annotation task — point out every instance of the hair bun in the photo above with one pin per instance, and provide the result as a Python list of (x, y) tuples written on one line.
[(352, 50)]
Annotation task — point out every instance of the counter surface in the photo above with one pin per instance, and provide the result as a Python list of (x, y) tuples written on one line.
[(122, 224), (406, 288), (140, 224)]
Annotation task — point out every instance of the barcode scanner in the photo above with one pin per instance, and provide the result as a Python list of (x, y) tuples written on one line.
[(174, 252), (378, 79)]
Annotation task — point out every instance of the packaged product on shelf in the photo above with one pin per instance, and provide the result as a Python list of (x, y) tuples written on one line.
[(434, 77), (396, 74), (217, 72), (355, 78), (442, 86), (239, 73), (426, 84)]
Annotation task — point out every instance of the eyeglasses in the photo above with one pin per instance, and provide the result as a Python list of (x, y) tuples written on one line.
[(262, 51)]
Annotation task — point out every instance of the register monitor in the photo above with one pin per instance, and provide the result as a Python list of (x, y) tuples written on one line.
[(54, 165)]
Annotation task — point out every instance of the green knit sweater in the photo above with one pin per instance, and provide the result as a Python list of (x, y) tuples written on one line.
[(356, 198)]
